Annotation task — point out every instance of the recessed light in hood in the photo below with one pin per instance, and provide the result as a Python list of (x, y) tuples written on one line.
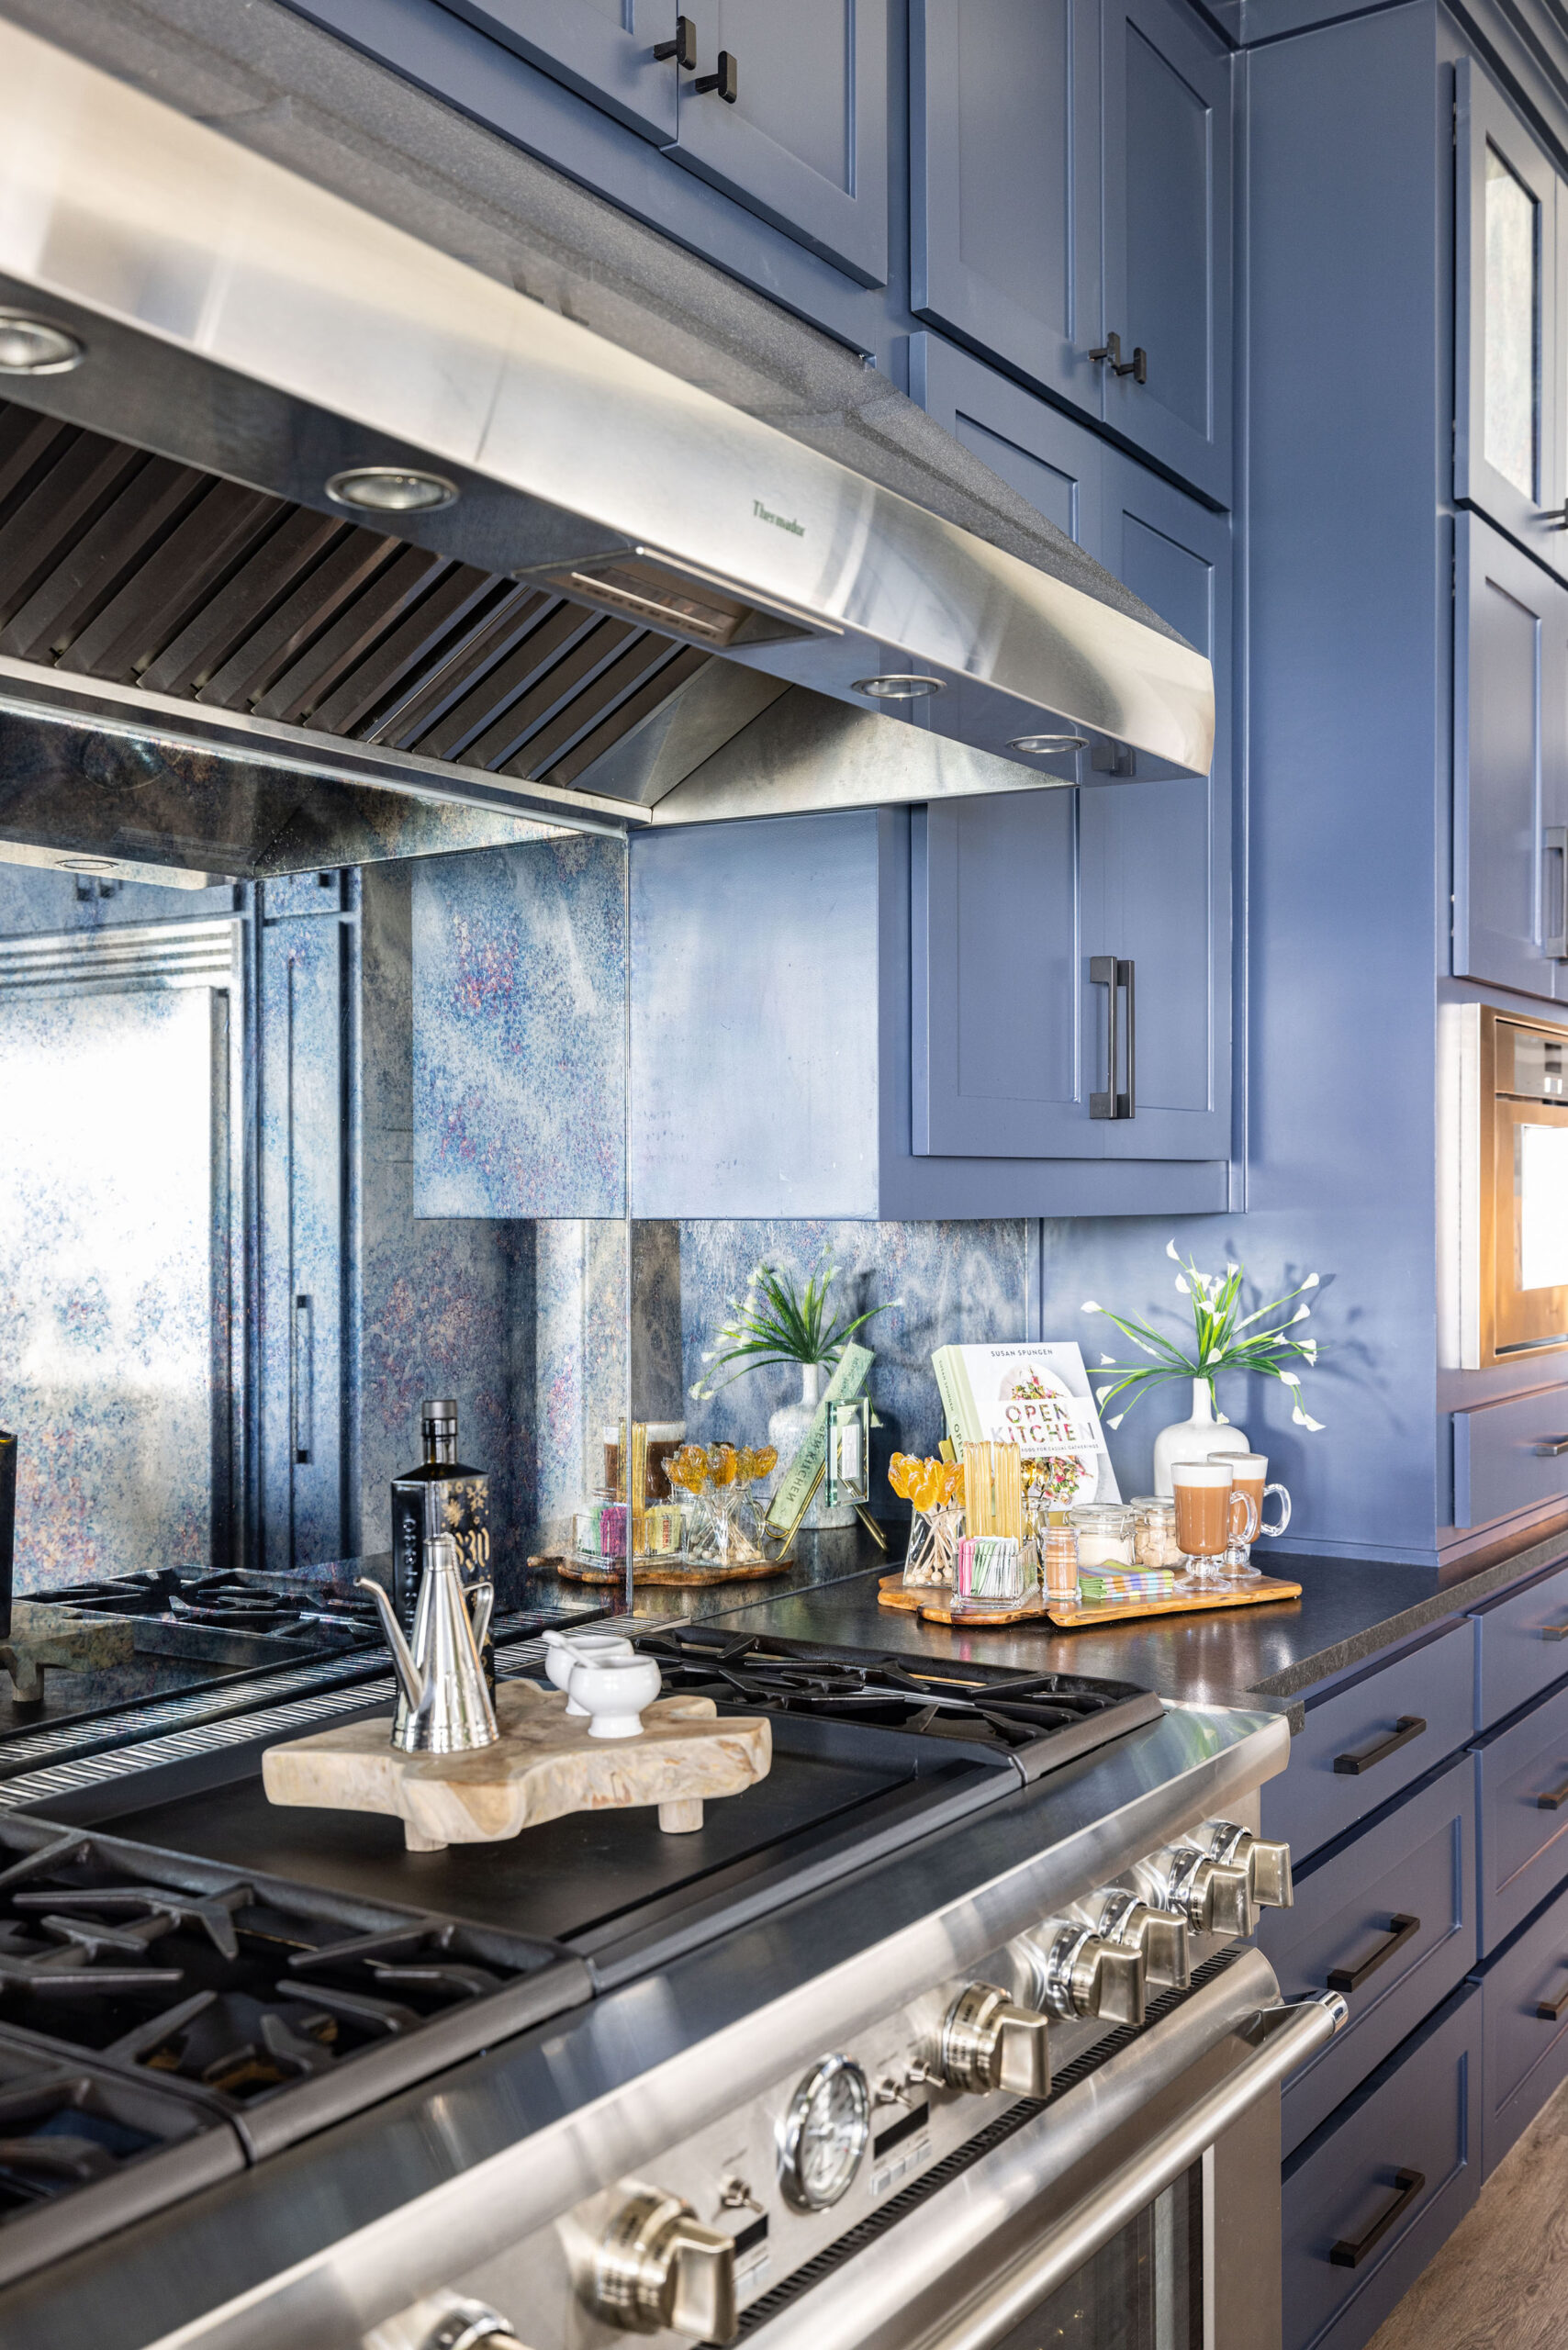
[(912, 688), (391, 489), (1048, 746), (34, 347)]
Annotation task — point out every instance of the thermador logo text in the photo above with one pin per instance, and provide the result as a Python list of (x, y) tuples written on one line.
[(780, 521)]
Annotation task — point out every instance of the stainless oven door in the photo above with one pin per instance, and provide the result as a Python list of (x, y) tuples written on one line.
[(1139, 2209)]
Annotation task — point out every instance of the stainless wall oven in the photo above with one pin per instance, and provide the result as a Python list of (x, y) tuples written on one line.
[(1512, 1115)]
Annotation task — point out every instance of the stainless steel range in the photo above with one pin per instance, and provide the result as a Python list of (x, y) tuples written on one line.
[(947, 2033)]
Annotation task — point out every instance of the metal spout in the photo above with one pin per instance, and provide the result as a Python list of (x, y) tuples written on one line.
[(447, 1706), (409, 1679)]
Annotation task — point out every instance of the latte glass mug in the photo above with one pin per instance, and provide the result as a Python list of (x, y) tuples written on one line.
[(1250, 1473), (1213, 1518)]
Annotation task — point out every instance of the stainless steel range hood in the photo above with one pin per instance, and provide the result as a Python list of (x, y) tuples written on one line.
[(632, 588)]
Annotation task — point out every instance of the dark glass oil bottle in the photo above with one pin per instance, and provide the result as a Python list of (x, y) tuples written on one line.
[(442, 1495)]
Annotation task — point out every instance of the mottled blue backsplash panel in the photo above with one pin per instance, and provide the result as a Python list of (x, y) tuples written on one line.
[(520, 1031), (959, 1284), (105, 1280)]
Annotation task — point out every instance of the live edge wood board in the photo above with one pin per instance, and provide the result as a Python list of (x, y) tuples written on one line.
[(929, 1602), (543, 1764)]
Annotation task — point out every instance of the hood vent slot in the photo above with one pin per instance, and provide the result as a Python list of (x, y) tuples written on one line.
[(130, 569)]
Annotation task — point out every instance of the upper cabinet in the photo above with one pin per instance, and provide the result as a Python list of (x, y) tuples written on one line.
[(1071, 209), (602, 49), (1508, 447), (787, 111)]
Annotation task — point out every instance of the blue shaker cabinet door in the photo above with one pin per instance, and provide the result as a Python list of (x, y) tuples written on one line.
[(1168, 263), (1004, 170), (1155, 876), (803, 140), (1507, 452), (1039, 452), (601, 48), (1510, 750), (998, 1069)]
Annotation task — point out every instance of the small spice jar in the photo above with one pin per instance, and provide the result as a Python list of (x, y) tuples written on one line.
[(1104, 1531), (1154, 1533), (1059, 1561)]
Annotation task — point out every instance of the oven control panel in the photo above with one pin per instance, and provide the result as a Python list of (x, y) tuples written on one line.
[(684, 2247)]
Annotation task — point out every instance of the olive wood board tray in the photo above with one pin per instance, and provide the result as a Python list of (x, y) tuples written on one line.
[(656, 1574), (543, 1765), (925, 1601)]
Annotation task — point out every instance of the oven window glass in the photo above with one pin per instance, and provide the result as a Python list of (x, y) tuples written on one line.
[(1144, 2291), (1541, 1182)]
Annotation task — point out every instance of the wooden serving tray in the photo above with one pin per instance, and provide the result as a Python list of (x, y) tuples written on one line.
[(543, 1764), (932, 1603), (658, 1573)]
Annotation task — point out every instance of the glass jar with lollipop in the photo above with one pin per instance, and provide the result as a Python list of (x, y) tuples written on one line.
[(753, 1465), (934, 1490)]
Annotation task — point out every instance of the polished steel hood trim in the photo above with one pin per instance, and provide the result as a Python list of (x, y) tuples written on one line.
[(241, 320)]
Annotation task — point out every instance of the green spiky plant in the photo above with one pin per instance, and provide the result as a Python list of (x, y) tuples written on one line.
[(1224, 1339), (778, 1322)]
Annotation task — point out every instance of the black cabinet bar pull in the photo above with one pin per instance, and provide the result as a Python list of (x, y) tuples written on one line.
[(1351, 2255), (1408, 1727), (1554, 1631), (1118, 1101), (1137, 366), (1550, 2010), (1350, 1978), (1553, 1800), (683, 48), (726, 81)]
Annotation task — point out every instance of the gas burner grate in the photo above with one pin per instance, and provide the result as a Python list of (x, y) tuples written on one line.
[(1013, 1710), (230, 1990), (230, 1602)]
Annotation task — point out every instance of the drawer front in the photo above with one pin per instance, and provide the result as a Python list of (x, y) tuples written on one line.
[(1521, 1646), (1389, 1918), (1370, 1725), (1498, 1466), (1352, 2189), (1526, 2043), (1522, 1816)]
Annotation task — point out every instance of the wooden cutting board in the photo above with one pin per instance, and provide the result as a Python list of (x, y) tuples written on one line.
[(543, 1764), (933, 1603)]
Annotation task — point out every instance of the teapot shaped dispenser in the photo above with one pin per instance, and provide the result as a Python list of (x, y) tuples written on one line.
[(444, 1706)]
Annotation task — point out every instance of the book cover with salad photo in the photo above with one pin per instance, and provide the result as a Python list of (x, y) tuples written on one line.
[(1036, 1395)]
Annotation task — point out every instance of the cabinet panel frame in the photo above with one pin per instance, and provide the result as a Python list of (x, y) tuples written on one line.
[(942, 289), (1483, 116), (612, 67)]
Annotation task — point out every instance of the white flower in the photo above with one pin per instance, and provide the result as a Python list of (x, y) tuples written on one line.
[(1182, 1284), (1303, 1419), (697, 1389), (712, 1350), (1302, 1313), (1108, 1358), (1117, 1421), (1089, 1306), (1231, 1268), (1171, 1252), (1308, 1348), (1311, 1281), (1220, 1420)]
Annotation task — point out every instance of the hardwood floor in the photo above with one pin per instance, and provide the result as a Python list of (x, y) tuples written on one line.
[(1501, 2280)]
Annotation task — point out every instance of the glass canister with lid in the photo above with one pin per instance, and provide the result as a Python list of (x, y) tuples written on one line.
[(1104, 1531), (1154, 1533)]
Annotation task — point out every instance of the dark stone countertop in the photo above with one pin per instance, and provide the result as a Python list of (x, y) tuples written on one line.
[(1348, 1610)]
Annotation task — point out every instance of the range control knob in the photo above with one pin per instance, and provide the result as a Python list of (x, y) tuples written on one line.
[(1080, 1973), (658, 2269), (1213, 1897), (1268, 1866), (988, 2042), (1160, 1936), (470, 2325)]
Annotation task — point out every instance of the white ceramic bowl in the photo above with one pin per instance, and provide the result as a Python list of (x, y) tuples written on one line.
[(564, 1652), (613, 1693)]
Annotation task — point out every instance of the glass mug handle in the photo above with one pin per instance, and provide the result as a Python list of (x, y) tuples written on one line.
[(1249, 1532), (1285, 1510)]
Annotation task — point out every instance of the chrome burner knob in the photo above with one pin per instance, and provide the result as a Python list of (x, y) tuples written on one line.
[(1160, 1936), (989, 2042), (658, 2269), (1081, 1973), (1213, 1897), (470, 2325), (1268, 1866)]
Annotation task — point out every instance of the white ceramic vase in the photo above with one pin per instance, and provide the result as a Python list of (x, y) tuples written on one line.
[(787, 1431), (1194, 1439)]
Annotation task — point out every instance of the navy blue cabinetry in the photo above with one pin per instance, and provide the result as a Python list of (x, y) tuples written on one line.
[(1071, 184), (602, 49), (803, 142), (1510, 765)]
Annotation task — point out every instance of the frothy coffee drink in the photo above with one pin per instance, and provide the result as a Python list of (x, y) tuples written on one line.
[(1203, 1507)]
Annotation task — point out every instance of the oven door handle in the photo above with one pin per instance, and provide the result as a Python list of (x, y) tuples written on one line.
[(1291, 2035)]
